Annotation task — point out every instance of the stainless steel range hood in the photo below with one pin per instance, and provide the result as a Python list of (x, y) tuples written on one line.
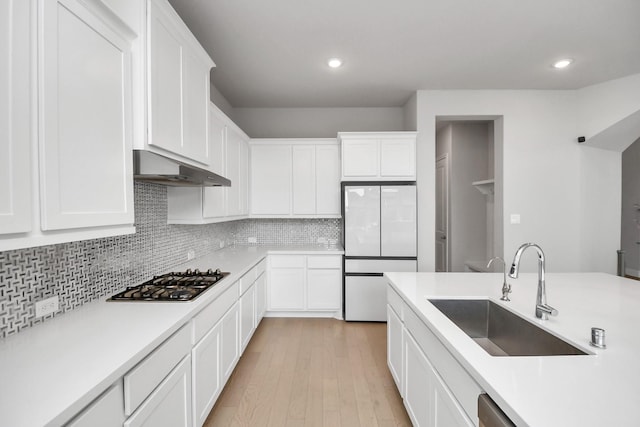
[(157, 169)]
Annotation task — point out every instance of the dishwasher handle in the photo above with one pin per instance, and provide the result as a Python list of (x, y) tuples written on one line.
[(490, 414)]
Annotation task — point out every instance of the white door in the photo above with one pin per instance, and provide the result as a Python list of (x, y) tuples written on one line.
[(362, 220), (398, 220), (442, 214)]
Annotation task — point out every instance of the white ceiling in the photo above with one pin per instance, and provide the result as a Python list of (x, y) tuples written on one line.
[(273, 53)]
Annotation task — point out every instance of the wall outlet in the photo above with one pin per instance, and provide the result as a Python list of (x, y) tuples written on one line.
[(221, 244), (191, 255), (252, 240), (47, 306), (515, 219)]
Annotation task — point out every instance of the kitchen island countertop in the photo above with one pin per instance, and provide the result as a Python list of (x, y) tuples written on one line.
[(51, 371), (597, 389)]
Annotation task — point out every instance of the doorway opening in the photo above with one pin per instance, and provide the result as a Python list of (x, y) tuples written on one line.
[(630, 220), (469, 223)]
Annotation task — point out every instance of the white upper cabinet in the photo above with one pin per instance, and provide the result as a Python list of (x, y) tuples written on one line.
[(65, 156), (271, 170), (304, 179), (229, 150), (15, 115), (178, 87), (85, 118), (328, 180), (295, 178), (378, 156)]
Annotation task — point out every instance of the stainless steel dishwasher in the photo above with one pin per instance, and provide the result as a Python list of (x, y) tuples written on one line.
[(490, 414)]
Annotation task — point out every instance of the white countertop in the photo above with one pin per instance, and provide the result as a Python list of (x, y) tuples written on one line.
[(51, 371), (600, 389)]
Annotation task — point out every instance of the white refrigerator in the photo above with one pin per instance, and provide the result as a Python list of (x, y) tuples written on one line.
[(380, 226)]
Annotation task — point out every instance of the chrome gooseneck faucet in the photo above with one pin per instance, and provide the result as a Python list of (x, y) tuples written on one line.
[(542, 309)]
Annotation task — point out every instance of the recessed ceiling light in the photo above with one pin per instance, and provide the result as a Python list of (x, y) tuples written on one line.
[(335, 62), (563, 63)]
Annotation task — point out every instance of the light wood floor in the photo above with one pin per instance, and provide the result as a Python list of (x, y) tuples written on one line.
[(312, 372)]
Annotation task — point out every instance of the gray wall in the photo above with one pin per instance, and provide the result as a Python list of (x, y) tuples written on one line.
[(316, 122), (630, 233)]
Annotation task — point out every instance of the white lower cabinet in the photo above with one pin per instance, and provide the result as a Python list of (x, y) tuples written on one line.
[(324, 289), (435, 388), (261, 297), (306, 284), (395, 346), (170, 403), (207, 381), (417, 383), (247, 316), (229, 337), (286, 289)]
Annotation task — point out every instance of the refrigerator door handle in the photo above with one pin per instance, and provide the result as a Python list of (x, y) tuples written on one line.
[(364, 274)]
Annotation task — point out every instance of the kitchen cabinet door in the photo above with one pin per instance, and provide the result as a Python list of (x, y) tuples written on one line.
[(230, 348), (178, 85), (85, 117), (214, 198), (243, 179), (16, 109), (398, 158), (324, 289), (418, 382), (270, 179), (247, 316), (195, 106), (327, 180), (170, 403), (165, 80), (447, 412), (359, 159), (286, 289), (233, 172), (206, 374), (394, 347), (261, 297), (303, 165)]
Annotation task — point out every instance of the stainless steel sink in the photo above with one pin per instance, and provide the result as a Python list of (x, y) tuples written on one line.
[(500, 332)]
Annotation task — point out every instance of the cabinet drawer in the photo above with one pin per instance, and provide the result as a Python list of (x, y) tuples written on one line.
[(462, 386), (170, 402), (247, 280), (261, 267), (324, 261), (395, 302), (208, 317), (287, 261), (145, 377), (106, 410)]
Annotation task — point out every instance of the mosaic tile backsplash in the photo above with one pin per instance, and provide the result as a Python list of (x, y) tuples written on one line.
[(79, 272)]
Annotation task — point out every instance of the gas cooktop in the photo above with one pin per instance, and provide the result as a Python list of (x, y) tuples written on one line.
[(182, 286)]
